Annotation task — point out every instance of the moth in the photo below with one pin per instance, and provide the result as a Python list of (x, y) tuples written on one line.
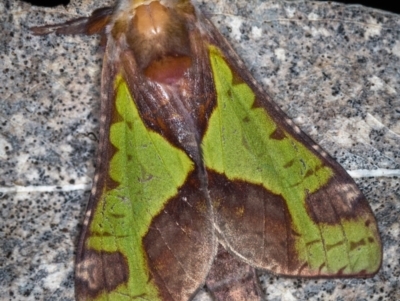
[(200, 177)]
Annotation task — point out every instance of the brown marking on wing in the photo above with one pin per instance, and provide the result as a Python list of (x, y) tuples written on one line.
[(236, 78), (278, 134), (313, 242), (332, 246), (355, 244), (100, 272), (289, 164), (309, 173), (262, 232), (335, 201), (180, 242), (232, 279)]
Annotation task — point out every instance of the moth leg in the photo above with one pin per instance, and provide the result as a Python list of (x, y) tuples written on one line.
[(93, 24)]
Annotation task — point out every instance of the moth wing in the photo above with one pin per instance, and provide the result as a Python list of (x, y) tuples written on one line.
[(147, 231), (280, 202)]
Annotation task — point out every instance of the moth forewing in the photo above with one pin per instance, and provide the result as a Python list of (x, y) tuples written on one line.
[(193, 153), (170, 213), (333, 217)]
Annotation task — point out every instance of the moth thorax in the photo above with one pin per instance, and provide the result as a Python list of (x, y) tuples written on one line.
[(160, 41)]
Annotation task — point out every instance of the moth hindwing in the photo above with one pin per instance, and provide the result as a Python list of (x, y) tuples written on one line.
[(193, 158)]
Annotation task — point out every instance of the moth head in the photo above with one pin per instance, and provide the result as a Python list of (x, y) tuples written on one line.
[(158, 36)]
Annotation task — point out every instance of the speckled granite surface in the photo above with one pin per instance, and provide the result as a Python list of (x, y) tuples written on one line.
[(333, 68)]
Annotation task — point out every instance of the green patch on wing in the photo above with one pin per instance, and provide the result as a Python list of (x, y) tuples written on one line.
[(149, 171), (243, 142)]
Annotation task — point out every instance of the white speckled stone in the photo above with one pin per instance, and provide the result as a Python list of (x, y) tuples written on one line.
[(334, 69)]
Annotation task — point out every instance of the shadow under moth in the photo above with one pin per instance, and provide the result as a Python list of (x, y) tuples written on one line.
[(200, 177)]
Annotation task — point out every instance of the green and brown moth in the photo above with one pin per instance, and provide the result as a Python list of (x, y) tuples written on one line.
[(201, 177)]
